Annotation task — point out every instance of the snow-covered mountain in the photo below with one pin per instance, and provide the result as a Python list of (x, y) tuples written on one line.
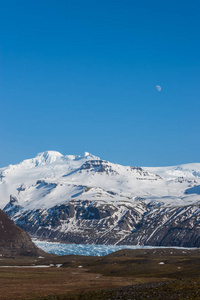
[(84, 199)]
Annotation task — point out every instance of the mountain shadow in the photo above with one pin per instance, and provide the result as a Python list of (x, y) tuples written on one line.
[(193, 190)]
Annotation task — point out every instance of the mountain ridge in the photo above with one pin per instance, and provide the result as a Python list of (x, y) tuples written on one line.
[(89, 200)]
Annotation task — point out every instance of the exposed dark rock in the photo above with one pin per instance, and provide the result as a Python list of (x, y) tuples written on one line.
[(91, 223), (14, 241), (99, 166)]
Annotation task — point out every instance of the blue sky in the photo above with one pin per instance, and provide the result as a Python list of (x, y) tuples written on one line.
[(80, 76)]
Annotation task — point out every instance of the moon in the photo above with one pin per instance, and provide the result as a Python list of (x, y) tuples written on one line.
[(158, 87)]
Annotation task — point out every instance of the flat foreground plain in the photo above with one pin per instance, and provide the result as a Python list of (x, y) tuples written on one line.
[(126, 274)]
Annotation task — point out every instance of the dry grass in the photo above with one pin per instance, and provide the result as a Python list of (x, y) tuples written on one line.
[(141, 270), (29, 283)]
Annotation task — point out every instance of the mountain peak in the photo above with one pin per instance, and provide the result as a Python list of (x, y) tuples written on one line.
[(49, 154), (47, 157), (41, 159), (87, 153)]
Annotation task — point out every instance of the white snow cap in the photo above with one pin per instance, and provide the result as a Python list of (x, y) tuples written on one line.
[(52, 179), (90, 156), (41, 159), (87, 153), (47, 157)]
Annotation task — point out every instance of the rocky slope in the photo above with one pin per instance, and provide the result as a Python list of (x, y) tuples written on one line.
[(14, 241), (83, 199)]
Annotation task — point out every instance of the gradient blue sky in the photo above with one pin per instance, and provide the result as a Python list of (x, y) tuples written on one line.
[(80, 76)]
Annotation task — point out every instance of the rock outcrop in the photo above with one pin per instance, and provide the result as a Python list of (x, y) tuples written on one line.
[(14, 241)]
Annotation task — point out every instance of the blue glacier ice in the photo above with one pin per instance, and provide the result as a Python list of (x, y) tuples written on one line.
[(88, 250), (80, 249)]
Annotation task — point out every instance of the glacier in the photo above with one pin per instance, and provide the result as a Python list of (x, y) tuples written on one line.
[(87, 250)]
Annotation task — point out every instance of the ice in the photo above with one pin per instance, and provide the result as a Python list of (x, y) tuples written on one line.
[(79, 249), (87, 250)]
